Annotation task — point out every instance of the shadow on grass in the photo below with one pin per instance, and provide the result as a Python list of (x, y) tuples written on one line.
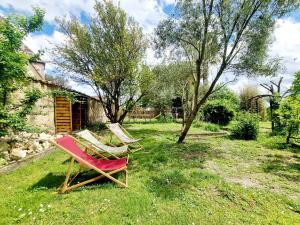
[(157, 154), (277, 143), (169, 185), (287, 167), (49, 181), (53, 181)]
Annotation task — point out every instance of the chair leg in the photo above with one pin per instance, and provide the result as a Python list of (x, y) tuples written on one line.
[(65, 184), (126, 178), (107, 175)]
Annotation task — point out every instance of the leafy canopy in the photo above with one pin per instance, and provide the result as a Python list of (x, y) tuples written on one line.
[(13, 73), (106, 54), (230, 35), (13, 60)]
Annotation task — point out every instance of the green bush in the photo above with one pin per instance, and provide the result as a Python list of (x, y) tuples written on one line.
[(99, 126), (211, 127), (17, 120), (164, 118), (207, 126), (218, 112), (246, 128)]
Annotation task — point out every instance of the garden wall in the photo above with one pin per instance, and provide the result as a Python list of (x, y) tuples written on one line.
[(42, 114), (95, 111)]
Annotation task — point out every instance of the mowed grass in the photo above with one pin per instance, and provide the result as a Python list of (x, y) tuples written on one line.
[(205, 181)]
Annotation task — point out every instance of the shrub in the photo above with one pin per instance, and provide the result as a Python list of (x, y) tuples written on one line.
[(16, 119), (98, 126), (206, 126), (211, 127), (168, 118), (218, 112), (246, 128)]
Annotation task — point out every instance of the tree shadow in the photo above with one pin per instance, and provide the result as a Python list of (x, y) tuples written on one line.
[(278, 143), (287, 167), (157, 154), (169, 185)]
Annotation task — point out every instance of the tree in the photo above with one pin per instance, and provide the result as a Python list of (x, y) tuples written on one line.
[(13, 69), (106, 54), (13, 59), (289, 112), (170, 82), (228, 35), (224, 94), (250, 101), (275, 96), (295, 89)]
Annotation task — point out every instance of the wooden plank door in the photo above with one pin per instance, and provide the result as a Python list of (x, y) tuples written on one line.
[(63, 115), (76, 116)]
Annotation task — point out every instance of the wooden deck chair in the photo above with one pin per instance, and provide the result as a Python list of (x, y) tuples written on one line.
[(103, 166), (124, 136), (96, 143)]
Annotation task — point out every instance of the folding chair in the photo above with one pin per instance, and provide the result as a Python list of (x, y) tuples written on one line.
[(105, 167), (93, 139), (124, 136)]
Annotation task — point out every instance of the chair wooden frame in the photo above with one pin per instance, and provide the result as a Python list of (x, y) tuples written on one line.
[(131, 149), (66, 185)]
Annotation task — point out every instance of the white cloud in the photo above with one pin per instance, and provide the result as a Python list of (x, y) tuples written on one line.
[(148, 13), (286, 45), (54, 8), (44, 42)]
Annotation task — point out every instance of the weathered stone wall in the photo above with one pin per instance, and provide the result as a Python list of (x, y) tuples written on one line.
[(42, 114), (95, 112)]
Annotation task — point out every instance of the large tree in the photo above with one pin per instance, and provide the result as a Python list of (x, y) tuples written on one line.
[(275, 96), (221, 36), (106, 54), (13, 58), (250, 102), (170, 82), (13, 68)]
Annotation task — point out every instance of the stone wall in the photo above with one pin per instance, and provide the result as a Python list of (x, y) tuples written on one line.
[(95, 112), (42, 114)]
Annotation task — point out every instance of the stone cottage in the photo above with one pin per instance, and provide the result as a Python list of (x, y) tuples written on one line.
[(58, 114)]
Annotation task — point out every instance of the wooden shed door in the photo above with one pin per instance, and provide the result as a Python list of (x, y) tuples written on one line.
[(79, 113), (63, 115)]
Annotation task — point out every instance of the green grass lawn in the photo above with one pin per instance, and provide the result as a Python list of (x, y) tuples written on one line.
[(205, 181)]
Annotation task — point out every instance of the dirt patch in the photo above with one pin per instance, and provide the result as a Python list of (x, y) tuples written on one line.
[(247, 182), (205, 135), (192, 155)]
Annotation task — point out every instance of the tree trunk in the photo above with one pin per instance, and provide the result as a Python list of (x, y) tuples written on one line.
[(187, 125), (288, 137), (189, 120), (4, 100), (272, 116), (122, 117)]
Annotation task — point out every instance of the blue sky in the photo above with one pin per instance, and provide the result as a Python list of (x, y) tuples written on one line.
[(148, 13)]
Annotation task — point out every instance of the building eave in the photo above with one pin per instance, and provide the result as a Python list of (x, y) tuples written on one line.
[(48, 83)]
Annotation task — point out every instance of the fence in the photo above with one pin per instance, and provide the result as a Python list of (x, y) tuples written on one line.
[(141, 113)]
